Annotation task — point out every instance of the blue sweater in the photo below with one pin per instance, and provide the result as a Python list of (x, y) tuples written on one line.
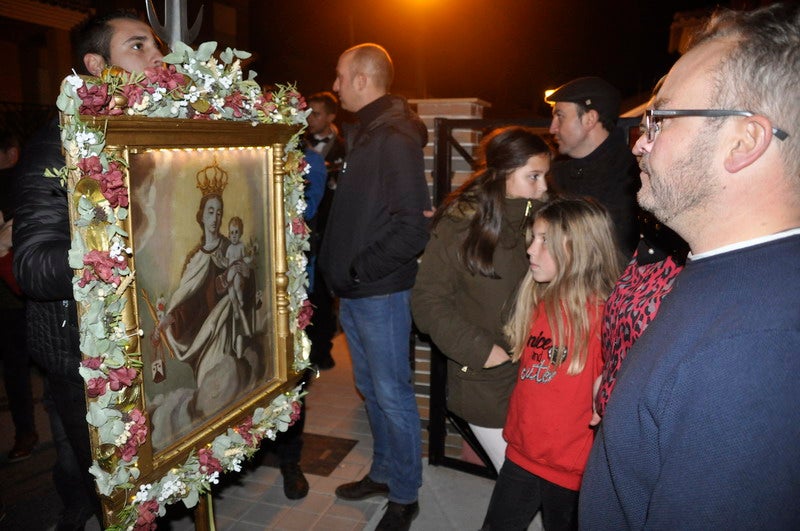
[(703, 428)]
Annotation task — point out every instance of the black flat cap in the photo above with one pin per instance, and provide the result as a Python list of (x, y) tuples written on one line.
[(593, 92)]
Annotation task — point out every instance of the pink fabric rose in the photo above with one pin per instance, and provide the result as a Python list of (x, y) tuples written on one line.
[(94, 99), (299, 227), (103, 266), (297, 408), (165, 76), (119, 378), (147, 514), (304, 315), (235, 102), (96, 387), (208, 463), (92, 363)]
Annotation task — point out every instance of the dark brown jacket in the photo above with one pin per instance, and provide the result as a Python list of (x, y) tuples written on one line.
[(464, 313)]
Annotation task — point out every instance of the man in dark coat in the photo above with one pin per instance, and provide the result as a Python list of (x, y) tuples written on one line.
[(375, 232), (596, 160)]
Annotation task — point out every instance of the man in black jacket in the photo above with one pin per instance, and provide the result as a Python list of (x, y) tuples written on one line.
[(596, 160), (375, 232), (41, 242)]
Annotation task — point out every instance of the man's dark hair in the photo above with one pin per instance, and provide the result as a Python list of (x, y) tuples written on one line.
[(94, 36), (328, 100), (608, 122)]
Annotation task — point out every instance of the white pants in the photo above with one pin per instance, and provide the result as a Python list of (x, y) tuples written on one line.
[(492, 441)]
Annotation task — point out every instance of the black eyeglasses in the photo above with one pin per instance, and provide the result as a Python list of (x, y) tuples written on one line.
[(653, 117)]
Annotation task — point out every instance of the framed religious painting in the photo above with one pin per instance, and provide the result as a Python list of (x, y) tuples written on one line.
[(189, 282)]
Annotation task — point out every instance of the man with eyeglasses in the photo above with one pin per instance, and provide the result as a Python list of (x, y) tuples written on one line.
[(703, 428), (595, 158)]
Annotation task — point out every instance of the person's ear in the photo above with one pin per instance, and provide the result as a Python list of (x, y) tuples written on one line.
[(590, 118), (752, 138), (94, 63), (360, 81)]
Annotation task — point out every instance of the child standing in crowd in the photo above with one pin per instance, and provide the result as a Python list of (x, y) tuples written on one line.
[(554, 333), (474, 261)]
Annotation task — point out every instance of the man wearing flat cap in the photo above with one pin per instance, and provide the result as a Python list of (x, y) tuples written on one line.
[(595, 157)]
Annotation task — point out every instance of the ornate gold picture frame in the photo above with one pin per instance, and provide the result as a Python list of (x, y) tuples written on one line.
[(200, 298)]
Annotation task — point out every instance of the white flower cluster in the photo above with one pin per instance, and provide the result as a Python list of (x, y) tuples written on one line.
[(124, 436), (209, 73), (144, 493), (118, 333), (117, 248), (170, 487), (85, 139), (75, 80)]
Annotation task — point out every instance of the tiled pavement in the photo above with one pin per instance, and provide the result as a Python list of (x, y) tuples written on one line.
[(448, 499)]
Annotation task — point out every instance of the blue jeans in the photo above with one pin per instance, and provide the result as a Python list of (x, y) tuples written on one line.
[(378, 331)]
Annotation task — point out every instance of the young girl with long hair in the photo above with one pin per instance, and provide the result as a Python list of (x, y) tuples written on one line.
[(474, 261), (554, 333)]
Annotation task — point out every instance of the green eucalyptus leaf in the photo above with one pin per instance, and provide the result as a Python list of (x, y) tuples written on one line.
[(63, 103), (205, 51), (191, 498), (76, 252), (104, 481), (110, 431), (241, 54), (115, 358), (96, 415)]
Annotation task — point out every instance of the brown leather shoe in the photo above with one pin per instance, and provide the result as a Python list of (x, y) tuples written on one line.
[(359, 490), (23, 446), (398, 516)]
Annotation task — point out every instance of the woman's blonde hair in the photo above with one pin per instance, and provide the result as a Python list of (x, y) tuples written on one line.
[(580, 239)]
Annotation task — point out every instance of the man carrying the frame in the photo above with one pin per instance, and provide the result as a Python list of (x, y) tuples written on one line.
[(41, 242)]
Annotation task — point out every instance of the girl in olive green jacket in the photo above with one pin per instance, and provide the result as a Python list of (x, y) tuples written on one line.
[(469, 272)]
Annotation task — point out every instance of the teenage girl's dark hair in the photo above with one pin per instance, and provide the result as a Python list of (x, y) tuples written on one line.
[(500, 153)]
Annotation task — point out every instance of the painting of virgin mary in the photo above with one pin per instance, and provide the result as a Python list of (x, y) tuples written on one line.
[(215, 346)]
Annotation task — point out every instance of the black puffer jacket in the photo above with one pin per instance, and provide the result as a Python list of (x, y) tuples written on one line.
[(376, 227), (41, 242)]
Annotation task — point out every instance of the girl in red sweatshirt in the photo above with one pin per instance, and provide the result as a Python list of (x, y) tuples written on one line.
[(554, 334)]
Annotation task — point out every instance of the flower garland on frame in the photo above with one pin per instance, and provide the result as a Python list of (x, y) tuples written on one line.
[(191, 84)]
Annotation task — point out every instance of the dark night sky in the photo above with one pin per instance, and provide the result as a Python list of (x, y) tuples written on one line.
[(506, 52)]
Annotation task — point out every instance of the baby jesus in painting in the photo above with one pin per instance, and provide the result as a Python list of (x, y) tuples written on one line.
[(237, 253)]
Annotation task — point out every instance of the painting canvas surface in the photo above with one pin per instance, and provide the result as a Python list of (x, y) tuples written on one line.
[(200, 234)]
